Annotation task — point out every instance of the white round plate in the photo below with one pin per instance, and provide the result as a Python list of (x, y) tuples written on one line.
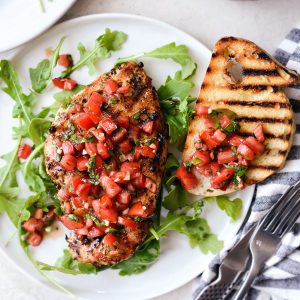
[(178, 263), (22, 20)]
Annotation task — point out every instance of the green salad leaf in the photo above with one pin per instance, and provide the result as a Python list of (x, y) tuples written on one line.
[(178, 53), (233, 208), (38, 127), (104, 45), (176, 198), (141, 260), (24, 103), (41, 74)]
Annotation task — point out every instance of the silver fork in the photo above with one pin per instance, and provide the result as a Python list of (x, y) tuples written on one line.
[(269, 233)]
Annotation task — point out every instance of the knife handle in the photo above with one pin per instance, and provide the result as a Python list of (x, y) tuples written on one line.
[(216, 291)]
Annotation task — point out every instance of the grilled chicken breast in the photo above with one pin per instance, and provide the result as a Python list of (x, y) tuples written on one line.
[(106, 152), (245, 81)]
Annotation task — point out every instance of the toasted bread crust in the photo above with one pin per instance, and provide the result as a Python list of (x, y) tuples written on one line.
[(257, 97)]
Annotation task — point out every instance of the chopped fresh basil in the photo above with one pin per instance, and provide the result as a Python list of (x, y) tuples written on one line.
[(73, 217)]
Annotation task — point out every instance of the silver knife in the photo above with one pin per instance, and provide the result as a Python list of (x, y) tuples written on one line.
[(231, 268)]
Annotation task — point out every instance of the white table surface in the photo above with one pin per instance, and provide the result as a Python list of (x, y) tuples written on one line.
[(263, 21)]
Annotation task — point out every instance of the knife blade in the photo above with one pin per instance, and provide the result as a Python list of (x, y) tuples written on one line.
[(230, 270)]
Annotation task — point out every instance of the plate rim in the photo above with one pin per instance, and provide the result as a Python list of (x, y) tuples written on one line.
[(87, 18), (24, 41)]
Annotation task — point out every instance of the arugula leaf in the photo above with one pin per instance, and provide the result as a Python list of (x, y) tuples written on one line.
[(24, 103), (178, 53), (41, 74), (233, 208), (141, 260), (37, 129), (177, 198), (175, 88), (177, 114), (104, 45), (172, 162), (31, 171)]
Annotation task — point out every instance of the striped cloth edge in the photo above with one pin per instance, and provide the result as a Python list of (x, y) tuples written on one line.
[(281, 277)]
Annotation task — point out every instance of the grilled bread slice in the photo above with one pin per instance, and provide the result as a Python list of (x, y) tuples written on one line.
[(245, 80)]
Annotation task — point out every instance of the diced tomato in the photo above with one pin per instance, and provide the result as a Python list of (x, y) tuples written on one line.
[(255, 145), (94, 103), (119, 135), (68, 162), (236, 140), (91, 148), (73, 184), (210, 142), (209, 124), (202, 110), (111, 241), (96, 231), (226, 156), (38, 214), (121, 177), (108, 125), (105, 202), (98, 162), (65, 60), (242, 161), (219, 136), (225, 121), (137, 209), (127, 222), (34, 239), (147, 151), (83, 190), (58, 82), (62, 194), (137, 152), (124, 197), (74, 108), (109, 214), (110, 87), (148, 127), (68, 147), (150, 185), (131, 167), (221, 179), (109, 144), (99, 134), (84, 121), (71, 224), (95, 118), (125, 146), (112, 189), (24, 151), (69, 84), (187, 179), (245, 151), (79, 147), (125, 89), (123, 121), (82, 163), (210, 169), (89, 223), (102, 150), (139, 181), (259, 133), (33, 224), (215, 167), (77, 202), (201, 158)]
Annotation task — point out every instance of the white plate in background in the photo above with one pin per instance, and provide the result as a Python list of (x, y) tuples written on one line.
[(178, 263), (22, 20)]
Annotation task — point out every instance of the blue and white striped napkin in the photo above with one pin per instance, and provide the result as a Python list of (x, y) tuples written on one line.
[(281, 276)]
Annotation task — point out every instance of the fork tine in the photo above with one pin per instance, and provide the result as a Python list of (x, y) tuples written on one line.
[(287, 223), (279, 209)]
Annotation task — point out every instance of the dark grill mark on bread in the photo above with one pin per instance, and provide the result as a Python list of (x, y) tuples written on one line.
[(264, 120), (264, 56), (254, 72)]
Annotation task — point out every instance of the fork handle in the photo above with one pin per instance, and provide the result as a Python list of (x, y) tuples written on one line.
[(254, 270)]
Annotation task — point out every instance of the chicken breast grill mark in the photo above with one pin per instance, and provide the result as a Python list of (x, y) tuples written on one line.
[(107, 152)]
